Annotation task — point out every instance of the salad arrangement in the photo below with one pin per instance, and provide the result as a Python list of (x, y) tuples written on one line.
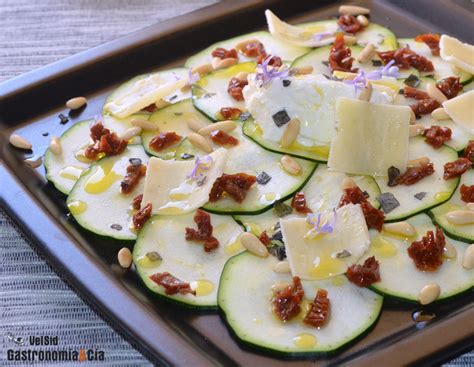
[(291, 179)]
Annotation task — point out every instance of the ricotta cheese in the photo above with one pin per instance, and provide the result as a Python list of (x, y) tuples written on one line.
[(461, 110), (457, 53)]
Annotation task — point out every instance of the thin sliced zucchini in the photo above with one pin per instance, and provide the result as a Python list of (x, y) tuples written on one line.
[(96, 201), (461, 232), (437, 190), (244, 298), (172, 118), (210, 93), (273, 46), (399, 275), (248, 157), (186, 260)]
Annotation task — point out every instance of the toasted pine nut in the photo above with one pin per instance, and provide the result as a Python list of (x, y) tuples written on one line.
[(366, 93), (144, 124), (470, 206), (279, 286), (34, 162), (202, 69), (290, 165), (440, 114), (124, 258), (161, 103), (19, 142), (363, 21), (468, 258), (226, 63), (130, 133), (418, 162), (347, 183), (400, 228), (350, 40), (242, 75), (303, 70), (215, 61), (429, 293), (291, 132), (253, 244), (449, 250), (55, 145), (353, 10), (282, 267), (416, 130), (226, 126), (241, 45), (200, 142), (195, 125), (460, 217), (367, 53), (435, 93), (76, 103), (412, 117)]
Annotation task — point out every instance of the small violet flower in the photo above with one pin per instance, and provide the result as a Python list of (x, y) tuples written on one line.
[(200, 164), (193, 78), (360, 81), (266, 73), (318, 227), (322, 35)]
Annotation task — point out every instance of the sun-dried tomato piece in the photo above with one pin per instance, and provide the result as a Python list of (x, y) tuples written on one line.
[(235, 185), (274, 61), (235, 87), (406, 58), (91, 152), (222, 138), (414, 174), (299, 203), (411, 92), (142, 216), (431, 40), (366, 274), (230, 113), (111, 144), (469, 151), (150, 108), (134, 173), (425, 106), (104, 141), (264, 238), (286, 302), (456, 168), (222, 53), (211, 244), (253, 49), (137, 202), (340, 56), (349, 23), (450, 86), (318, 314), (467, 193), (436, 136), (164, 140), (204, 231), (97, 130), (428, 252), (171, 284)]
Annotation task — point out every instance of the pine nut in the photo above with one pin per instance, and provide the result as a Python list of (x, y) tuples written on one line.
[(76, 103), (215, 61), (200, 142), (460, 217), (412, 117), (429, 293), (468, 258), (20, 142), (435, 93), (400, 228), (144, 124), (347, 183), (415, 130), (124, 257), (303, 70), (253, 244), (290, 165), (55, 145), (449, 250), (366, 93), (363, 21), (226, 63), (350, 40), (34, 162), (353, 10), (282, 267), (291, 132), (242, 44), (440, 114), (202, 69), (242, 75), (367, 53), (418, 162), (226, 126), (195, 125), (470, 206), (161, 103), (279, 286), (130, 133)]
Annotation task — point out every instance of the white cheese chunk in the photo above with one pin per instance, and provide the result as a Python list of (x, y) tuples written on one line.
[(457, 53), (461, 110), (370, 138), (169, 190), (143, 93), (326, 255)]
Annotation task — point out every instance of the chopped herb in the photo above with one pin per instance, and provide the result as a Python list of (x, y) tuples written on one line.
[(263, 178), (412, 81), (117, 227), (63, 119), (277, 249), (286, 82), (366, 194), (201, 180), (282, 209), (393, 173), (173, 97), (277, 236), (208, 95), (276, 226), (153, 256), (281, 118), (135, 161), (420, 195), (325, 63), (45, 134), (344, 253), (429, 76), (388, 202), (244, 116), (178, 113), (376, 62), (186, 156), (401, 91)]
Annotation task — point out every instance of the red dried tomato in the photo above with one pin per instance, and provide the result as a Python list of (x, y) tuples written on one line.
[(264, 238), (222, 138), (299, 203), (142, 216), (428, 252), (349, 23), (150, 108), (431, 40), (211, 244), (450, 86), (456, 168), (469, 151), (230, 113), (286, 302), (318, 314), (97, 130), (164, 140), (406, 58), (105, 141), (235, 185), (436, 136), (91, 152), (414, 174), (137, 202), (411, 92), (274, 61), (340, 56), (235, 88), (171, 284), (467, 193), (253, 48), (134, 173), (222, 53), (366, 274), (204, 231), (425, 106)]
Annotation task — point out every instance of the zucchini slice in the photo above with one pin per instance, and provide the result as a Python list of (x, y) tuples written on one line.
[(244, 298), (461, 232), (437, 190), (96, 202), (210, 93), (172, 118), (186, 260), (273, 46), (248, 157), (402, 279)]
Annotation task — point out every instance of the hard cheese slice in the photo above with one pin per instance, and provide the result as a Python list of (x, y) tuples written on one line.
[(461, 110), (457, 53), (171, 192), (143, 93), (370, 138), (325, 255)]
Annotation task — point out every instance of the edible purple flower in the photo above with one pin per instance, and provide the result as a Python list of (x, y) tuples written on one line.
[(193, 78), (200, 164), (360, 80), (318, 227), (266, 73), (320, 36)]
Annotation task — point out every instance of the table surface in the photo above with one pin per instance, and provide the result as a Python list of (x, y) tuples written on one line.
[(34, 300)]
